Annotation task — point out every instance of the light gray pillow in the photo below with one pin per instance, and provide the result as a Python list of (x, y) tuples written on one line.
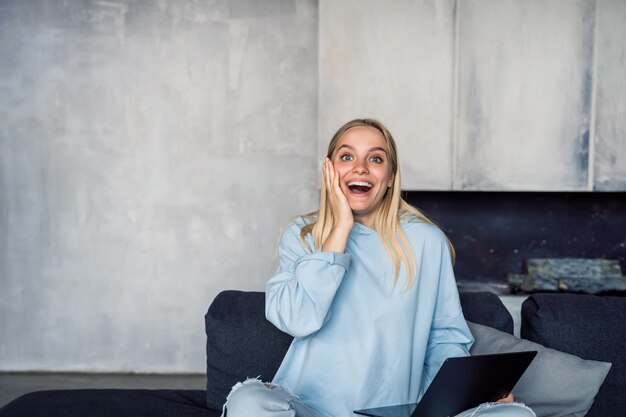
[(556, 384)]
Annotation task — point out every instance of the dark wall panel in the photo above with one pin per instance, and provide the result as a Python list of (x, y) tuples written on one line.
[(495, 232)]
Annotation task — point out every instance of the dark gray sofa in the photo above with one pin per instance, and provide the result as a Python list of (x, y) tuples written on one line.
[(587, 326), (241, 344)]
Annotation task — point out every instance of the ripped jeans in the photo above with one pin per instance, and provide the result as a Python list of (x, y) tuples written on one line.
[(254, 398), (513, 409)]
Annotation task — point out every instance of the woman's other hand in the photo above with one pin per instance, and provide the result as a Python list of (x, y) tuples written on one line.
[(508, 399), (343, 220)]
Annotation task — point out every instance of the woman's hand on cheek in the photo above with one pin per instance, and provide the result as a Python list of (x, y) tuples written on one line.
[(342, 213), (340, 210)]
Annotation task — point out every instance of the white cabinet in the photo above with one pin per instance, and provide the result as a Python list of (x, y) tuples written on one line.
[(524, 101), (609, 146), (483, 94), (392, 61)]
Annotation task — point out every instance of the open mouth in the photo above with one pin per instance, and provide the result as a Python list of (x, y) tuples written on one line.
[(359, 187)]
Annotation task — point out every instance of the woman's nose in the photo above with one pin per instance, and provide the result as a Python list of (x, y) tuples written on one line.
[(360, 167)]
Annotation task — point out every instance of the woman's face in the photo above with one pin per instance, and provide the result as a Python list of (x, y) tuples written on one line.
[(361, 160)]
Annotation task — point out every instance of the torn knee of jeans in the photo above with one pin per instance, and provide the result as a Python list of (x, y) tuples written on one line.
[(250, 384), (239, 385), (486, 407)]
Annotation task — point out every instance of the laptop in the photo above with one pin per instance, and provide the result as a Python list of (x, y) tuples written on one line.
[(463, 383)]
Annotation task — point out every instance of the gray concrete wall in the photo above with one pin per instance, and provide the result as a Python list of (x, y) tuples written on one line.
[(524, 94), (484, 94), (143, 152), (393, 61), (151, 151), (609, 148)]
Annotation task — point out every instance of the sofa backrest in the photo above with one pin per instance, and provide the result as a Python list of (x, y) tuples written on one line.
[(486, 308), (587, 326), (241, 343)]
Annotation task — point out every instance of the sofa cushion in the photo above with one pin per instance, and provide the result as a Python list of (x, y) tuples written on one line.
[(588, 326), (556, 384), (110, 402), (241, 343), (487, 309)]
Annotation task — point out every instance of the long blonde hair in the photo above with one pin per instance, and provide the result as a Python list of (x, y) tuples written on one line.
[(393, 208)]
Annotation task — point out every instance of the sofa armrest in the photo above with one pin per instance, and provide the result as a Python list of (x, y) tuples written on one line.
[(241, 343), (587, 326)]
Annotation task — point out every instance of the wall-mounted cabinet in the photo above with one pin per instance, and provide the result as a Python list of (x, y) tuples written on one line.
[(524, 81), (609, 156), (484, 95), (392, 61)]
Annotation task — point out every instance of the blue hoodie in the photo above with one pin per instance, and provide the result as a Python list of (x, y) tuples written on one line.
[(359, 342)]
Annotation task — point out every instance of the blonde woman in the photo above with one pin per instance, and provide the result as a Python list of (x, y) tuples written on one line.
[(366, 288)]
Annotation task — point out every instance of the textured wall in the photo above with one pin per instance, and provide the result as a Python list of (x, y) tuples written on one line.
[(150, 151), (392, 61), (610, 122), (143, 152), (484, 94), (524, 94)]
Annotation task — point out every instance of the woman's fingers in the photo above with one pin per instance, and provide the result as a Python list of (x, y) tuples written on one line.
[(334, 178), (333, 182), (340, 206), (326, 172), (330, 180), (331, 173), (340, 211), (508, 399)]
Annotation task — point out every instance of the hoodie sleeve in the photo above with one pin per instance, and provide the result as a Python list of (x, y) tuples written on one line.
[(449, 334), (299, 295)]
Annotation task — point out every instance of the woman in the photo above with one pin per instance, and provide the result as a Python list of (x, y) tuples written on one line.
[(365, 285)]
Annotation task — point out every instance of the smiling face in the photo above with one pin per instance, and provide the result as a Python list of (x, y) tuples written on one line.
[(362, 161)]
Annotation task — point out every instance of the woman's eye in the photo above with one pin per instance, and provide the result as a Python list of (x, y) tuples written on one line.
[(346, 157), (376, 159)]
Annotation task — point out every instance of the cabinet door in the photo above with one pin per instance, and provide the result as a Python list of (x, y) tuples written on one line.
[(392, 61), (525, 84), (609, 147)]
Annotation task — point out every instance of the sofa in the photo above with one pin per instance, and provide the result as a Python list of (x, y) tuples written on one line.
[(241, 343)]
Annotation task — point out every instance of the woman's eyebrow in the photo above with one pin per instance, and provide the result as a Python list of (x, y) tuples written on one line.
[(378, 148)]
